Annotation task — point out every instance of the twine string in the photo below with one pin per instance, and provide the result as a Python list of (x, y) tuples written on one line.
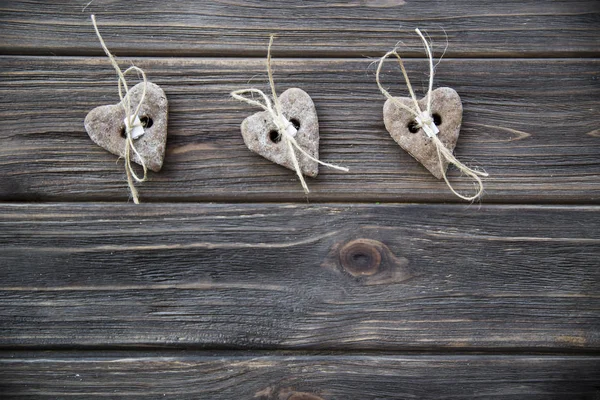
[(425, 120), (281, 123), (129, 116)]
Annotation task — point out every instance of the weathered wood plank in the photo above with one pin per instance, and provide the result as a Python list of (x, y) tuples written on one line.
[(284, 276), (531, 123), (286, 377), (474, 28)]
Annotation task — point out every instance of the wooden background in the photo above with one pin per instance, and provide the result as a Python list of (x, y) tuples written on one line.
[(228, 282)]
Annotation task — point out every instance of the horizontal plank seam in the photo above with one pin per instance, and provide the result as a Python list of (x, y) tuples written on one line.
[(221, 351), (170, 204), (373, 202), (215, 57)]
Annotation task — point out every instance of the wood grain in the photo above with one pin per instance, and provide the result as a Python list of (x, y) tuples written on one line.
[(269, 276), (531, 123), (279, 299), (189, 375), (511, 28)]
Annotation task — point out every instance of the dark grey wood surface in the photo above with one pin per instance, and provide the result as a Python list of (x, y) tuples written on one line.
[(189, 375), (307, 28), (351, 292), (532, 124), (284, 276)]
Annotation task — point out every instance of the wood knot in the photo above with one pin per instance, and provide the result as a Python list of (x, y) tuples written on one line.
[(361, 257), (368, 261)]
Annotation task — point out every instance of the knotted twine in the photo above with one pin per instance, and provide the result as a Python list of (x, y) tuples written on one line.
[(285, 128), (132, 121), (425, 120)]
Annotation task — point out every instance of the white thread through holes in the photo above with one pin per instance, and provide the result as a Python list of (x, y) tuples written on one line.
[(425, 121), (290, 129), (137, 129)]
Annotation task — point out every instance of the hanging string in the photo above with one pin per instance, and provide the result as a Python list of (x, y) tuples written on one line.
[(131, 119), (425, 120), (284, 127)]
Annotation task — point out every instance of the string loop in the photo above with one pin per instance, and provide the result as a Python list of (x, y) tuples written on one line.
[(425, 120), (284, 127), (130, 118)]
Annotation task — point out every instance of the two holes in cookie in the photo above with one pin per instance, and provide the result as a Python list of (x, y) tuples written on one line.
[(413, 126), (146, 121), (275, 137)]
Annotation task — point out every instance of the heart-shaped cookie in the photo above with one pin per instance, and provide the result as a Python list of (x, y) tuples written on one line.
[(261, 136), (446, 110), (106, 126)]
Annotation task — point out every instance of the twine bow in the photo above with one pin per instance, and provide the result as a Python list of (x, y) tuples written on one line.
[(425, 120), (132, 121), (285, 128)]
